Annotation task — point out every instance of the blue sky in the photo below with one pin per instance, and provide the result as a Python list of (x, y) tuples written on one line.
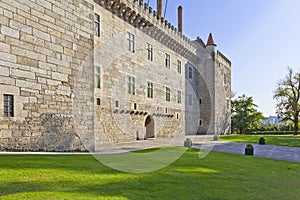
[(260, 37)]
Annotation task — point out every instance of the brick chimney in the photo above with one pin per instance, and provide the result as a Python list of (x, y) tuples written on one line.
[(159, 8), (180, 19)]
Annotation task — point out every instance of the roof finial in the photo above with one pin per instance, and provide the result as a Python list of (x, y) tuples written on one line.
[(210, 40)]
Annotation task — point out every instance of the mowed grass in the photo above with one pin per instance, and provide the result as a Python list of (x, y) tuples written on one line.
[(292, 141), (217, 176)]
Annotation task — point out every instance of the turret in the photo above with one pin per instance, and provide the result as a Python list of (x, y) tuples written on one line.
[(210, 45)]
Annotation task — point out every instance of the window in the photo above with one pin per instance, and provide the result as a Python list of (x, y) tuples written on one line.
[(190, 72), (200, 101), (178, 96), (179, 66), (166, 110), (117, 104), (225, 79), (130, 42), (149, 90), (8, 105), (149, 52), (97, 77), (134, 106), (167, 61), (190, 99), (177, 115), (227, 103), (97, 25), (168, 96), (200, 122), (131, 85), (98, 101)]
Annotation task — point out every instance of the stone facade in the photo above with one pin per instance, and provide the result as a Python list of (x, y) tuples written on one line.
[(74, 91), (44, 45)]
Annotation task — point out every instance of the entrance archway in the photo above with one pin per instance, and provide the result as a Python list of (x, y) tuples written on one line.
[(149, 127)]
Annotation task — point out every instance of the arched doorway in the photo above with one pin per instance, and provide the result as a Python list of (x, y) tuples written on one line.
[(149, 127)]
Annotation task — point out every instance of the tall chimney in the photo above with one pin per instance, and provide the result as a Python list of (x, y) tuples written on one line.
[(180, 19), (159, 8)]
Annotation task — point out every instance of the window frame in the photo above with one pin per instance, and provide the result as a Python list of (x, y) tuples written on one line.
[(149, 52), (98, 77), (131, 85), (168, 94), (149, 90), (168, 61), (97, 24), (179, 66), (8, 105), (131, 42), (190, 72), (179, 96)]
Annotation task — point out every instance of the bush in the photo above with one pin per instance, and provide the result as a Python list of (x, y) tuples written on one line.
[(270, 133)]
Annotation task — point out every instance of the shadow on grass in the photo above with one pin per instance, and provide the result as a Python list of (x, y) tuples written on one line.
[(217, 176)]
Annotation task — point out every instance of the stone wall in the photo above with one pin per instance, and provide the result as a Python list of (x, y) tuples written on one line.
[(122, 123), (223, 94), (46, 63)]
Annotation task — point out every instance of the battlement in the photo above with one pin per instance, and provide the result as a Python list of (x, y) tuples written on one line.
[(140, 15), (224, 58)]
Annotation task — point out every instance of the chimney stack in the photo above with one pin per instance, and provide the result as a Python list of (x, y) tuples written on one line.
[(180, 19), (159, 8)]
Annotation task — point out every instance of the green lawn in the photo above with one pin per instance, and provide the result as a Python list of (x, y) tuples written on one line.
[(217, 176), (292, 141)]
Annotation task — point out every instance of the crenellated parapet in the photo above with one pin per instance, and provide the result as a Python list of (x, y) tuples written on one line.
[(142, 16), (224, 58)]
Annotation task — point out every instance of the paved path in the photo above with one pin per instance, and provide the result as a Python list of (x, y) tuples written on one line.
[(266, 151)]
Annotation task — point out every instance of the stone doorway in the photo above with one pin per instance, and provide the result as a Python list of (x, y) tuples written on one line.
[(149, 127)]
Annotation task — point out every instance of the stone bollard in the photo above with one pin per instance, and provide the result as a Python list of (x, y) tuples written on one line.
[(249, 150), (262, 141), (188, 143)]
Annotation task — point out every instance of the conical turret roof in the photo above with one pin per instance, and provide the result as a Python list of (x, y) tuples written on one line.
[(210, 40)]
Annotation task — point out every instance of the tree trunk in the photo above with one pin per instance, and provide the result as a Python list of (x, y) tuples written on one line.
[(296, 127)]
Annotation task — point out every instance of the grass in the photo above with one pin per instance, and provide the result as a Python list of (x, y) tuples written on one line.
[(217, 176), (292, 141)]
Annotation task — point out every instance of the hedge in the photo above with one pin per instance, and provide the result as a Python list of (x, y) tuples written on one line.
[(270, 133)]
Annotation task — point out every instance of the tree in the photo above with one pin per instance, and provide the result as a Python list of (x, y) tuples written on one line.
[(245, 116), (287, 95)]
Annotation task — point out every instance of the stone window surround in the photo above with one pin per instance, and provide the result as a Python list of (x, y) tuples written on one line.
[(168, 94), (131, 42), (179, 95), (97, 77), (168, 61), (190, 72), (131, 85), (97, 24), (149, 52), (19, 112), (98, 101), (200, 122), (149, 90), (179, 66)]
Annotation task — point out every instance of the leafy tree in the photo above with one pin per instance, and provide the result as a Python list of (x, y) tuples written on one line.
[(245, 117), (287, 95)]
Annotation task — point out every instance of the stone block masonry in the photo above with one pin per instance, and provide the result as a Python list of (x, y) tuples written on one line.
[(43, 45)]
